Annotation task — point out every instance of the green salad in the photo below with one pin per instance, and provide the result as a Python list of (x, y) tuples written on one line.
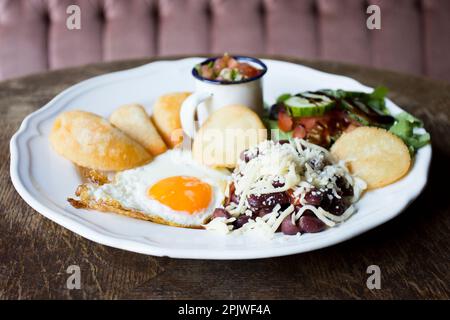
[(322, 116)]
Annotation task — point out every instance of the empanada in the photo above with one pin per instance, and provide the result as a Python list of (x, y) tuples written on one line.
[(90, 141), (166, 117), (135, 122)]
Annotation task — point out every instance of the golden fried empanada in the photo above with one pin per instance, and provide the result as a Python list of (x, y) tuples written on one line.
[(225, 134), (135, 122), (166, 116), (90, 141)]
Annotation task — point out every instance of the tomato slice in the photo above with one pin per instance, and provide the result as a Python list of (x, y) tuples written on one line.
[(206, 72), (247, 70), (232, 63), (285, 121), (299, 132), (220, 63)]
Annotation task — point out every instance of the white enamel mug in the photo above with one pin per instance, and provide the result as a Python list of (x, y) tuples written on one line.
[(211, 95)]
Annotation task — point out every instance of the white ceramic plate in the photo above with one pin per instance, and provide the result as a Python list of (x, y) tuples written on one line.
[(45, 180)]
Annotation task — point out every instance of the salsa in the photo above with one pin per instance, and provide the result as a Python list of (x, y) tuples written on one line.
[(227, 68), (321, 130)]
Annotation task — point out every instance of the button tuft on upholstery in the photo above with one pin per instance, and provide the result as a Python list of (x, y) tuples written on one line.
[(326, 7), (101, 15), (428, 5)]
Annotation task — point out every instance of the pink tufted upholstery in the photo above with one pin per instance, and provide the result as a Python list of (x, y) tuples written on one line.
[(415, 34)]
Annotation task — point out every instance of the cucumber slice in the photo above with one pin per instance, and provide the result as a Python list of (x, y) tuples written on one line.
[(284, 97), (308, 106), (315, 96)]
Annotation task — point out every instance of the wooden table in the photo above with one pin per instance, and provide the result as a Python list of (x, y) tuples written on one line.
[(412, 251)]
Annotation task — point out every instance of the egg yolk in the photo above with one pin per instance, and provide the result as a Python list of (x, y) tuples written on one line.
[(182, 193)]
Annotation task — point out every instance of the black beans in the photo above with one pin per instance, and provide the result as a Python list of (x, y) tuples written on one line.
[(247, 156), (345, 188), (277, 184), (256, 202), (327, 199), (240, 221), (220, 212), (317, 163), (338, 207), (309, 224), (332, 204), (268, 200), (288, 228), (313, 197), (261, 212), (233, 197), (308, 213)]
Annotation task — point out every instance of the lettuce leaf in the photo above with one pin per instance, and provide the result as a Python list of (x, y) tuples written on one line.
[(404, 126)]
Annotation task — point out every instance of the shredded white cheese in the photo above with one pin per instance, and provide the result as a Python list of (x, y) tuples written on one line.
[(298, 166)]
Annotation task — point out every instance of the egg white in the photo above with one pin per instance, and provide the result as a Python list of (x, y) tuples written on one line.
[(130, 187)]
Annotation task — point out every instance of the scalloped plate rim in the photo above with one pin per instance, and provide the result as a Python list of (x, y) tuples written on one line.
[(92, 232)]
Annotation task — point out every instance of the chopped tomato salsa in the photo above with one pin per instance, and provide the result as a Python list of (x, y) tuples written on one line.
[(321, 130), (227, 68)]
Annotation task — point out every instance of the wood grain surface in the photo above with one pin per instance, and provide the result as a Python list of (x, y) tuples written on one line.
[(412, 250)]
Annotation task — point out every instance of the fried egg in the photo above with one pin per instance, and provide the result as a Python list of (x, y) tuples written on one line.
[(173, 187)]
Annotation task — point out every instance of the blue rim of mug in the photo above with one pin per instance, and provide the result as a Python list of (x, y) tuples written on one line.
[(238, 58)]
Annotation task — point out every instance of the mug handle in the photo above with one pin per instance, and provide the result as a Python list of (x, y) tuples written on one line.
[(189, 110)]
